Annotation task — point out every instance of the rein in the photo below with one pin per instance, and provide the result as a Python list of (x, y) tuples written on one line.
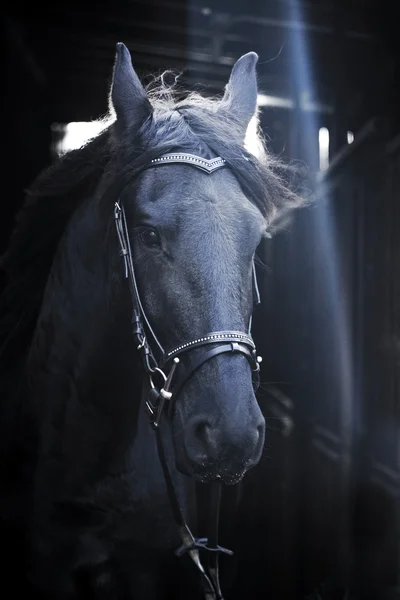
[(168, 374)]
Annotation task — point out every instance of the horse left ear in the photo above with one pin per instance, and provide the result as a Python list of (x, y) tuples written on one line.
[(128, 97), (240, 96)]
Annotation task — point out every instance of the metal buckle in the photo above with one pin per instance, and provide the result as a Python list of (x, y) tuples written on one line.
[(161, 395), (163, 375), (117, 211)]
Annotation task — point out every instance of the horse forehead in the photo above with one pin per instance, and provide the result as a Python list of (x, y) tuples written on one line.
[(160, 180), (186, 192)]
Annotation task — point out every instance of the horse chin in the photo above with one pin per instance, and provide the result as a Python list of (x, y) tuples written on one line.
[(212, 475), (227, 478)]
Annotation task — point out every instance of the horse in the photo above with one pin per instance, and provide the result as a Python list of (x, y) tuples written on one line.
[(142, 240)]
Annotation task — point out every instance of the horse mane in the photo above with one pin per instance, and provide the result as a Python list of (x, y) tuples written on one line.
[(177, 122), (49, 203)]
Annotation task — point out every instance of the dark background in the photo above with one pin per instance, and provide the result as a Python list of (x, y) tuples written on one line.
[(320, 513)]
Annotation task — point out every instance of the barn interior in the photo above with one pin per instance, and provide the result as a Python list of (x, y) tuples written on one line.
[(319, 515)]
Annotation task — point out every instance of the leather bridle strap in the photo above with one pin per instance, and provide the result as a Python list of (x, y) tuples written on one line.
[(192, 360), (239, 342), (138, 313)]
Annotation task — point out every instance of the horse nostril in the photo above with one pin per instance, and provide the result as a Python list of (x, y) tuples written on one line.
[(261, 430), (202, 431), (200, 439), (259, 443)]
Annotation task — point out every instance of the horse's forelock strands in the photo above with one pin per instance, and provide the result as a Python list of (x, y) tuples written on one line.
[(129, 298), (206, 127)]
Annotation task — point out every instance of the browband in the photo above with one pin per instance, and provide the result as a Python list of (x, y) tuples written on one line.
[(204, 164)]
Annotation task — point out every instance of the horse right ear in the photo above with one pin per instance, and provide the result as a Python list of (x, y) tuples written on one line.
[(240, 96), (128, 98)]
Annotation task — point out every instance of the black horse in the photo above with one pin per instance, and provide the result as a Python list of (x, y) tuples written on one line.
[(81, 478)]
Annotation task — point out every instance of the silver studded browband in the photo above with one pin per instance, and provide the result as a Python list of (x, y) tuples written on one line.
[(204, 164), (212, 338)]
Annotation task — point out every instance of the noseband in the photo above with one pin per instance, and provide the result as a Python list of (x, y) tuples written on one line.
[(174, 368)]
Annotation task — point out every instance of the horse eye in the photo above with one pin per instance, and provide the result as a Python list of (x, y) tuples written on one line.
[(150, 238)]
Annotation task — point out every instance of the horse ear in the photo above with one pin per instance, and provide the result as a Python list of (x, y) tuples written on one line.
[(128, 97), (240, 96)]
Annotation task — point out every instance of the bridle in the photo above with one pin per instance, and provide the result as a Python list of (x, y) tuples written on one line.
[(168, 374)]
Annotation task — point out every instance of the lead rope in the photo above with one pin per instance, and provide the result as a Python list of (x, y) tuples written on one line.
[(213, 556), (190, 544)]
